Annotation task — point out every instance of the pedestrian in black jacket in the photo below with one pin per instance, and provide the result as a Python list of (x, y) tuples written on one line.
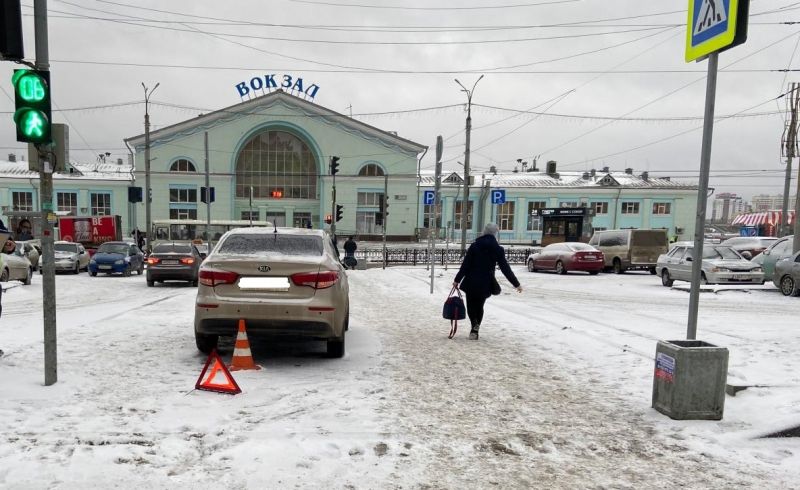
[(476, 275)]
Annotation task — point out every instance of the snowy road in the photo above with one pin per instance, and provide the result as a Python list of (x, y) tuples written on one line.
[(556, 394)]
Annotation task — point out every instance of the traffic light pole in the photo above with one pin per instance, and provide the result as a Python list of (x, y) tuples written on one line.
[(385, 213), (46, 208), (147, 191)]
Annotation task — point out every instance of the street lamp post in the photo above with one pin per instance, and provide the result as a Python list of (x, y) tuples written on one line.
[(465, 202), (148, 225)]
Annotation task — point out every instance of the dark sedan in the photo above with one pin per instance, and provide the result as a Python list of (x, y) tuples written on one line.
[(567, 256), (173, 262), (117, 257), (749, 246)]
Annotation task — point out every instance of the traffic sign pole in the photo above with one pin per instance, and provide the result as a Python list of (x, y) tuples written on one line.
[(702, 195)]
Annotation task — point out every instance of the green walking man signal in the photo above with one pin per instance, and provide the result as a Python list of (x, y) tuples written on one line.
[(32, 106)]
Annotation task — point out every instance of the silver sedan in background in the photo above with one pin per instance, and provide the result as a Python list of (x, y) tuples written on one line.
[(787, 275), (69, 257), (720, 265)]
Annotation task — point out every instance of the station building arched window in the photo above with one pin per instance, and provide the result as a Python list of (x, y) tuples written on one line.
[(370, 170), (276, 164), (182, 165)]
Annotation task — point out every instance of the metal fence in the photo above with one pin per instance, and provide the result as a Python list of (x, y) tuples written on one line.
[(414, 256)]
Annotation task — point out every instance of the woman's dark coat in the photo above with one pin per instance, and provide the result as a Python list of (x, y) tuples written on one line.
[(477, 269)]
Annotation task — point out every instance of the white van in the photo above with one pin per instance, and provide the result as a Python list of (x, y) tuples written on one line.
[(631, 249)]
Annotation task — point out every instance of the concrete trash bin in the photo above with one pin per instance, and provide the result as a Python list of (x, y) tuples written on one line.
[(689, 379)]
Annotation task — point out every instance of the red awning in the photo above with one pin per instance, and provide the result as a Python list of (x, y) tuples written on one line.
[(762, 218)]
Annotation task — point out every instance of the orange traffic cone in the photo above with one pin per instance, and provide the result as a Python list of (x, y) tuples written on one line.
[(242, 357)]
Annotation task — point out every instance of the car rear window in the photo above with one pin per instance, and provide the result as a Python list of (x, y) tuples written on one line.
[(113, 248), (648, 238), (271, 243), (581, 247), (65, 247), (167, 248)]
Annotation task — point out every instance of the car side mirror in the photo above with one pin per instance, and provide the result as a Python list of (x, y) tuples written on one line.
[(203, 255), (766, 252), (688, 259), (747, 255)]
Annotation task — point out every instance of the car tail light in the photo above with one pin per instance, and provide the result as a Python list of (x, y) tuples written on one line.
[(316, 280), (187, 260), (215, 277), (153, 260)]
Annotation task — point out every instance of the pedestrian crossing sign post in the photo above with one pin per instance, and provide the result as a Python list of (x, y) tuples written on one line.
[(715, 25)]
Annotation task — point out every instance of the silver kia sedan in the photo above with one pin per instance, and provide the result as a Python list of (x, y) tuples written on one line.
[(284, 282), (720, 265), (787, 275)]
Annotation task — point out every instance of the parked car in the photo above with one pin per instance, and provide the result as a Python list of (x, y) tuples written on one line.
[(32, 248), (117, 257), (69, 256), (749, 246), (631, 249), (567, 256), (787, 275), (173, 262), (720, 265), (779, 249), (286, 282), (16, 266)]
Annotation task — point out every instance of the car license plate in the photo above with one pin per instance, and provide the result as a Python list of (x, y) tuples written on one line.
[(264, 283), (104, 267), (740, 277), (170, 262)]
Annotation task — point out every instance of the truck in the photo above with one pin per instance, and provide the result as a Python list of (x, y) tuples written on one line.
[(90, 231)]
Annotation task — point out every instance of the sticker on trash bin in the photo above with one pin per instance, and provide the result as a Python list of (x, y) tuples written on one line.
[(665, 367)]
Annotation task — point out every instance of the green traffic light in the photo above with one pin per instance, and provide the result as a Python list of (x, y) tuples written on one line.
[(32, 124), (31, 87)]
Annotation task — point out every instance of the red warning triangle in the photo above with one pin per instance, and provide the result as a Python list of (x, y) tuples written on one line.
[(219, 379)]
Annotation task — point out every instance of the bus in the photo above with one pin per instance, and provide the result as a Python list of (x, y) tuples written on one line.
[(193, 230)]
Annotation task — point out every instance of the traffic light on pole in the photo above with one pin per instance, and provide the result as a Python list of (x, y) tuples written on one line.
[(207, 194), (339, 209), (32, 106), (334, 165)]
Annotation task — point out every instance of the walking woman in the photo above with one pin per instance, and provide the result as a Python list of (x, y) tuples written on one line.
[(476, 275)]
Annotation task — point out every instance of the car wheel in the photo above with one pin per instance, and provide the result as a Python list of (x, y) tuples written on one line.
[(653, 271), (27, 280), (150, 283), (703, 278), (666, 281), (141, 269), (594, 273), (193, 283), (77, 269), (347, 319), (4, 276), (335, 348), (127, 271), (618, 268), (560, 268), (788, 286), (93, 274), (531, 268), (205, 343)]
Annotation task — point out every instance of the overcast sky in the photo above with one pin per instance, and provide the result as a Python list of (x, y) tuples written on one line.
[(574, 65)]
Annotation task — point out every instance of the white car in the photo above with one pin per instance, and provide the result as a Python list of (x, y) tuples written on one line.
[(720, 265), (69, 256), (16, 267)]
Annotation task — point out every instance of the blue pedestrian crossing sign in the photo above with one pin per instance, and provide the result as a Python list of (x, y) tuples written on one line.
[(714, 25), (499, 196), (429, 198)]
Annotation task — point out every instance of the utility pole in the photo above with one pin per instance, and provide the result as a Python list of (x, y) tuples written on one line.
[(465, 202), (46, 208), (147, 190), (385, 213), (790, 151), (432, 237), (208, 194)]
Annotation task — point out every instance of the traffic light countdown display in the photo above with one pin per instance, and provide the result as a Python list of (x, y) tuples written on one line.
[(32, 106)]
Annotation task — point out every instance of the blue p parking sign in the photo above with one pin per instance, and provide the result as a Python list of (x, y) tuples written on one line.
[(429, 197), (499, 196)]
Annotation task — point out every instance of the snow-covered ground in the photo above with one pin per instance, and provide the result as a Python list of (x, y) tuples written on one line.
[(555, 394)]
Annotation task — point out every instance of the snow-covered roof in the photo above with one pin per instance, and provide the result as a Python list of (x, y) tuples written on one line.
[(561, 179), (80, 171)]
